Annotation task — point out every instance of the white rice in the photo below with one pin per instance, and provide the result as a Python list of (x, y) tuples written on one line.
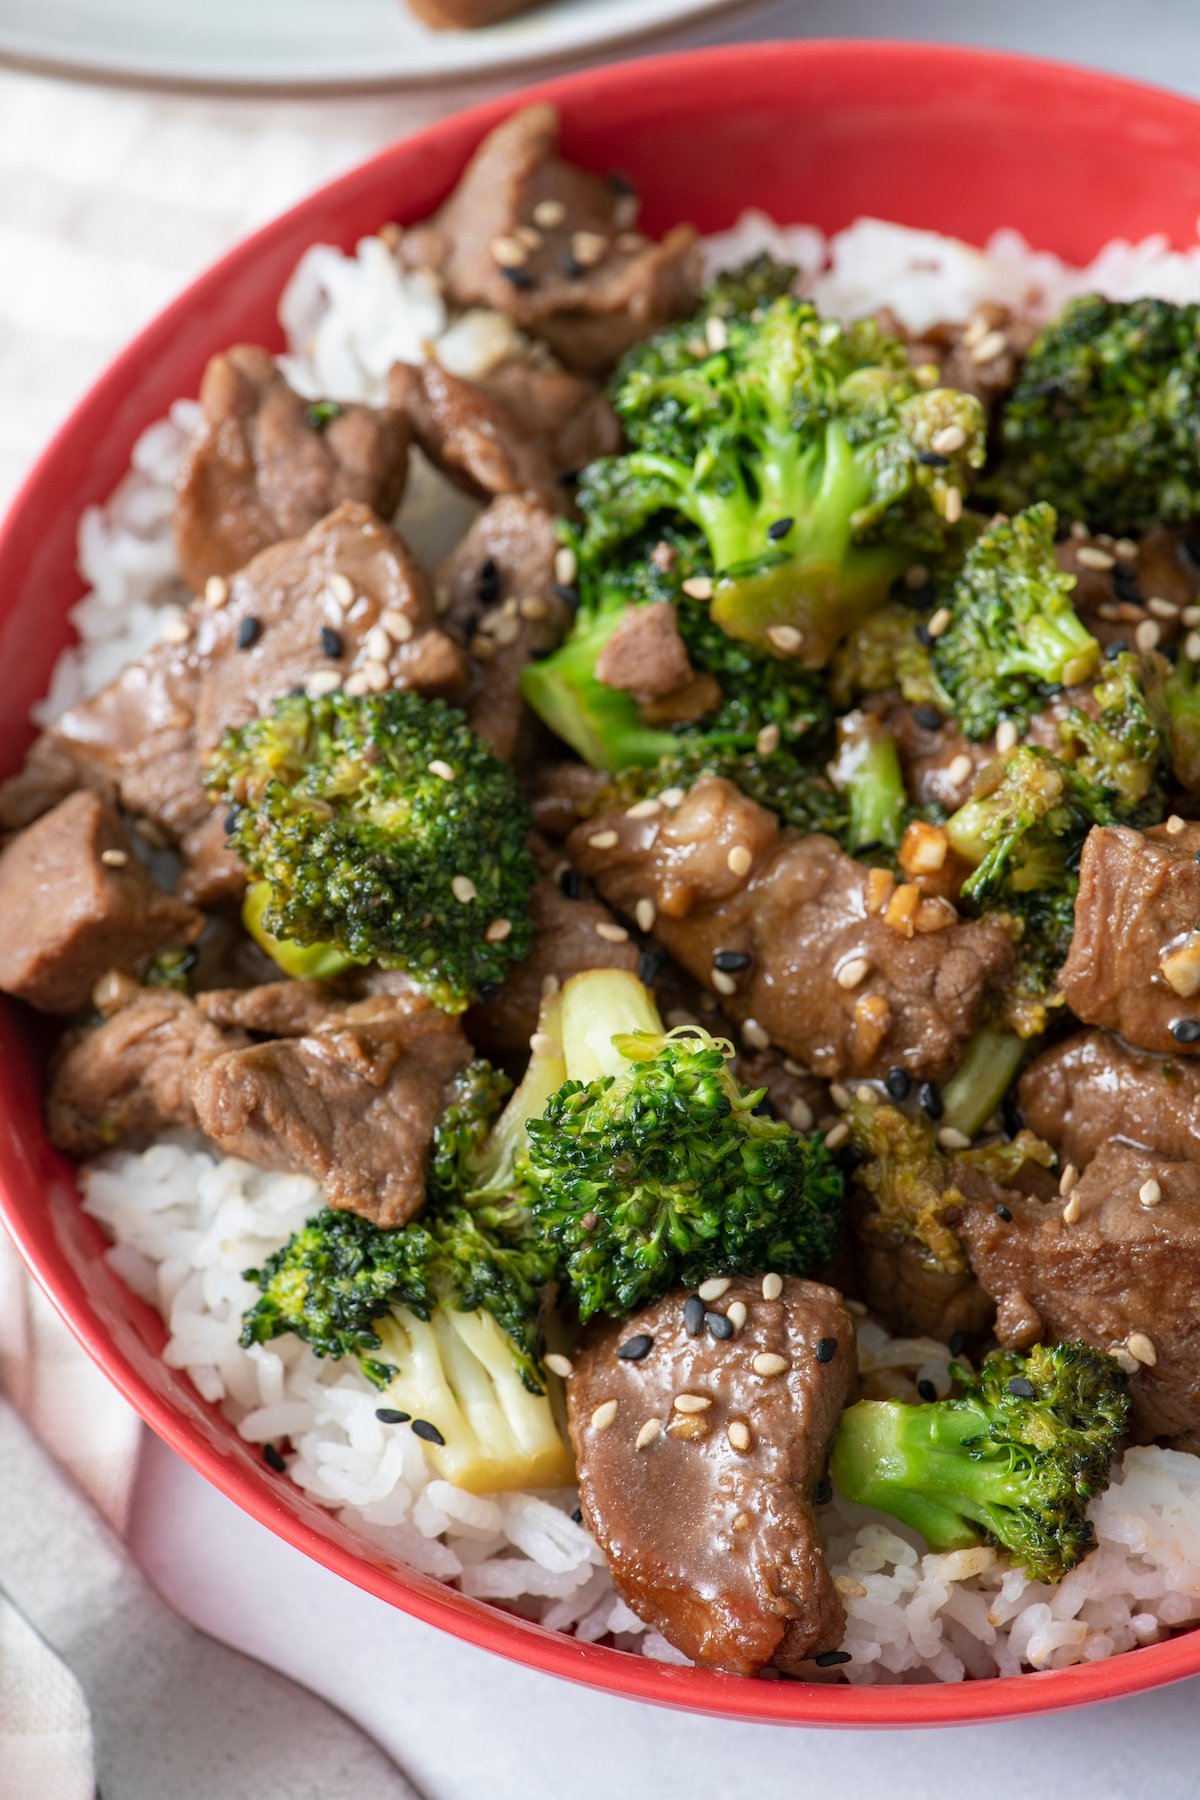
[(186, 1222)]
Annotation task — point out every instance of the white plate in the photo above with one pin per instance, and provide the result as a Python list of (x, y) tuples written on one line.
[(313, 43)]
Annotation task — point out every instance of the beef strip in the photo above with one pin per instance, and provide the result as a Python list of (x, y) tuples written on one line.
[(1115, 585), (931, 759), (1121, 1275), (1090, 1088), (713, 1544), (1134, 962), (507, 554), (146, 734), (264, 464), (130, 1075), (646, 656), (587, 284), (802, 911), (274, 1009), (352, 1103), (76, 903), (913, 1296), (517, 431)]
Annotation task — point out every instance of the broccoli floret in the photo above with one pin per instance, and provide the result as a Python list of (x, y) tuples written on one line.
[(1022, 828), (867, 772), (886, 651), (809, 455), (1013, 632), (651, 1168), (1016, 1459), (444, 1314), (1123, 747), (1181, 698), (1105, 415), (360, 842)]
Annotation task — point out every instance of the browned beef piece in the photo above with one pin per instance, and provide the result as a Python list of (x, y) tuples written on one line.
[(913, 1296), (1121, 1275), (980, 354), (261, 466), (646, 656), (708, 1527), (507, 554), (940, 764), (795, 1095), (352, 1103), (130, 1076), (1116, 586), (76, 903), (212, 873), (275, 1009), (516, 432), (146, 734), (562, 793), (1134, 963), (569, 936), (586, 283), (1091, 1088), (723, 876)]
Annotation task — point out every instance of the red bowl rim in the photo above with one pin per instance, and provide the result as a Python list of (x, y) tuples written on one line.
[(480, 1623)]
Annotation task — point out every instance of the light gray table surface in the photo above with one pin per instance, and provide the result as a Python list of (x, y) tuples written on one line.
[(462, 1723)]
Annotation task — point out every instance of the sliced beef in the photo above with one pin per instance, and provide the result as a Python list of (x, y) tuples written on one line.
[(980, 354), (828, 981), (552, 246), (130, 1075), (708, 1527), (646, 656), (1121, 586), (301, 609), (76, 903), (1106, 1267), (507, 554), (939, 764), (1134, 963), (274, 1009), (352, 1103), (265, 464), (1091, 1088), (913, 1296), (518, 431), (562, 793)]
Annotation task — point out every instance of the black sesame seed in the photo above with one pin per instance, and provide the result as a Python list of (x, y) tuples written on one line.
[(931, 1101), (294, 693), (231, 818), (897, 1082), (1011, 1117), (926, 1389), (1171, 652), (730, 961), (274, 1460), (1125, 583), (1118, 647), (571, 883), (423, 1429), (619, 183), (635, 1348), (826, 1350), (568, 477), (248, 632), (391, 1415), (928, 718), (931, 459), (572, 268), (823, 1492), (957, 1343), (487, 582), (832, 1659), (519, 279), (486, 992), (567, 594), (850, 1158), (577, 1515), (868, 846), (1021, 1388), (693, 1315), (1185, 1031), (1003, 1212), (650, 967), (331, 641), (923, 636), (719, 1325), (779, 528)]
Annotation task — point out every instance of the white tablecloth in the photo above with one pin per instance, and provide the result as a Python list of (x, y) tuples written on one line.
[(110, 201)]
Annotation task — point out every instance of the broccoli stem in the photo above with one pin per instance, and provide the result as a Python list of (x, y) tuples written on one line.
[(601, 1010), (867, 770), (544, 1075), (312, 962), (979, 1084)]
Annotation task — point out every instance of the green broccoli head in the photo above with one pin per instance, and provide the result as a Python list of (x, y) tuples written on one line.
[(1120, 745), (651, 1168), (1105, 415), (1022, 828), (1013, 633), (811, 458), (379, 829), (1016, 1459)]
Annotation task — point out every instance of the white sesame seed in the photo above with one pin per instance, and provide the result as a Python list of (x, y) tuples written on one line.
[(587, 247), (939, 621), (498, 930), (1162, 609), (1150, 1193), (1147, 634), (439, 767), (1142, 1348), (508, 252), (1175, 825), (1068, 1181), (566, 565), (533, 608), (378, 644), (952, 505), (800, 1115), (698, 587), (738, 1433), (768, 1363), (549, 213), (1127, 548), (1088, 556), (645, 913), (785, 638), (1072, 1210), (850, 1587), (1120, 1355), (739, 860), (323, 681), (724, 984), (649, 1431), (216, 591), (989, 347), (644, 809), (960, 769), (735, 1312), (1078, 529), (611, 932), (176, 631), (767, 741), (604, 840), (714, 1287), (1191, 615), (559, 1365), (375, 676), (1191, 646), (527, 235), (866, 1096), (853, 973), (840, 1096), (756, 1035), (772, 1287), (1006, 737), (839, 1135), (342, 588), (691, 1403), (463, 889), (715, 334), (506, 631), (604, 1415), (671, 796), (950, 1139), (398, 625), (114, 859), (949, 439), (356, 685)]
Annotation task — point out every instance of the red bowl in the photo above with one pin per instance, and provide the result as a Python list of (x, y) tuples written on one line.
[(955, 140)]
